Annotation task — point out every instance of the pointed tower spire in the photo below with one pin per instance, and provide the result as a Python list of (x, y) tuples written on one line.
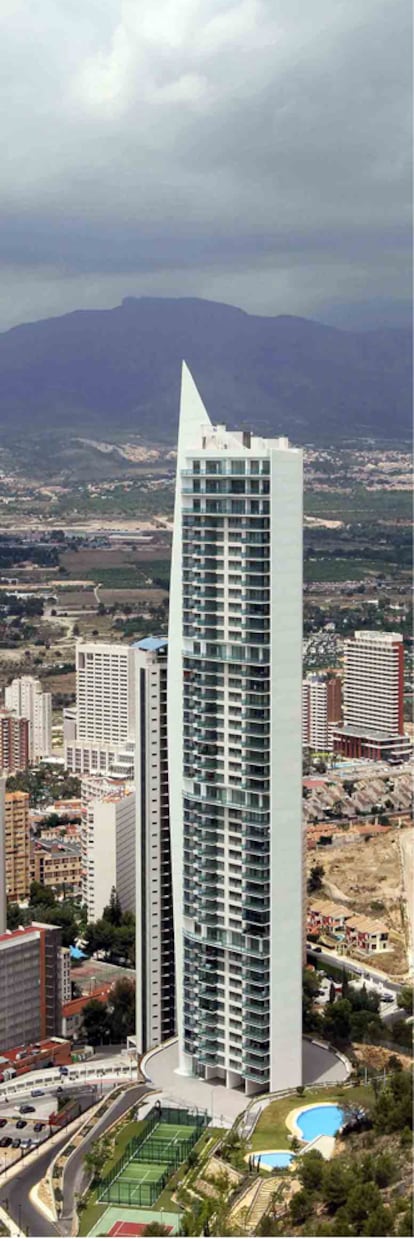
[(193, 413)]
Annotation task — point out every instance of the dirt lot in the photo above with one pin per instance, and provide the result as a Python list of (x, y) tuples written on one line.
[(136, 598), (368, 878)]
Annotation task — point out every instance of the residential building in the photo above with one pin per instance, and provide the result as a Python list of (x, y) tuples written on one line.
[(3, 893), (58, 865), (50, 978), (20, 1009), (326, 915), (373, 692), (365, 934), (235, 759), (102, 732), (155, 991), (66, 983), (17, 841), (321, 710), (107, 844), (25, 697), (14, 743)]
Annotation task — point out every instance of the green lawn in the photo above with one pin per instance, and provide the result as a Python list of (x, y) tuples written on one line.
[(358, 504), (271, 1132)]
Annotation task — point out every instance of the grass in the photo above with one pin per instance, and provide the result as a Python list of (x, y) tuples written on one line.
[(271, 1132), (339, 569), (358, 504)]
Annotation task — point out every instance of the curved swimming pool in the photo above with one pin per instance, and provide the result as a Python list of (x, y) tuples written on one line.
[(273, 1159), (321, 1119)]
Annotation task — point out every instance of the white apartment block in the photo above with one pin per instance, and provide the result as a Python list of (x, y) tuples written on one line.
[(102, 730), (24, 697), (374, 682), (155, 991), (373, 724), (321, 710), (108, 844), (235, 755)]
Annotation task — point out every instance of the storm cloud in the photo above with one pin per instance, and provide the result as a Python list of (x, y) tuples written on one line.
[(252, 151)]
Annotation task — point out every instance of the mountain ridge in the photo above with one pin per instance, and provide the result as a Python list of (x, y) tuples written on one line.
[(120, 368)]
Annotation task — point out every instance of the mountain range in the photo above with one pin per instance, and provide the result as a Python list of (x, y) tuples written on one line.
[(118, 371)]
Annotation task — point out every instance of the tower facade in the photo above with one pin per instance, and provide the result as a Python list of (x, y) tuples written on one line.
[(235, 755), (25, 697), (155, 991), (373, 693)]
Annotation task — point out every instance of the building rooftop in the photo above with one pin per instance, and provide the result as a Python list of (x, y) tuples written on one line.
[(329, 909), (359, 922), (73, 1007), (150, 644)]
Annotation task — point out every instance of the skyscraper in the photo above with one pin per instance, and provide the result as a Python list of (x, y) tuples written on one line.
[(235, 754), (373, 693), (155, 990), (99, 736)]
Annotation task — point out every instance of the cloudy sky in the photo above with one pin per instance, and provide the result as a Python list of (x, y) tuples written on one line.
[(248, 151)]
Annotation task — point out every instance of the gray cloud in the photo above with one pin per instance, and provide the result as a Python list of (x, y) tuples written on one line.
[(255, 151)]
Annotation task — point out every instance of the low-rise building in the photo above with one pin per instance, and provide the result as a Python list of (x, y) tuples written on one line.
[(327, 916), (366, 934)]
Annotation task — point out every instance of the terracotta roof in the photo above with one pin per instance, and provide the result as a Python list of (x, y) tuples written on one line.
[(73, 1007)]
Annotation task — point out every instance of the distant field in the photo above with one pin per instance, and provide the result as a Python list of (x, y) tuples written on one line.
[(359, 505)]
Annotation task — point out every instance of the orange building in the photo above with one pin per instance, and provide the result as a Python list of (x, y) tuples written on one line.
[(17, 850)]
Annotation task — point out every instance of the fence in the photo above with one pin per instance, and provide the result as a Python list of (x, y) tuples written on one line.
[(122, 1190)]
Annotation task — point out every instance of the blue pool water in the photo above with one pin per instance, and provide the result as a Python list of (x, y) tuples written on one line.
[(274, 1159), (314, 1121)]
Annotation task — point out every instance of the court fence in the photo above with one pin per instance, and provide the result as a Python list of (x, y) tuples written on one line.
[(146, 1149)]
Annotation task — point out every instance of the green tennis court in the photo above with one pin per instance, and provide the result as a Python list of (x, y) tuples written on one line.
[(140, 1172)]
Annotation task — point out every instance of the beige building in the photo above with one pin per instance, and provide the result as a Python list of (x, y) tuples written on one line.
[(25, 697), (17, 845), (57, 865)]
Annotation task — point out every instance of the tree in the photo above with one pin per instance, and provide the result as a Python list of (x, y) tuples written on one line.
[(113, 912), (337, 1021), (332, 993), (336, 1183), (300, 1206), (363, 1199), (315, 878), (95, 1022), (154, 1229), (385, 1170), (41, 895), (310, 1170), (122, 1015), (405, 1000)]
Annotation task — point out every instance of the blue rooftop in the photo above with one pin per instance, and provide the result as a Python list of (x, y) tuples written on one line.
[(76, 953), (150, 644)]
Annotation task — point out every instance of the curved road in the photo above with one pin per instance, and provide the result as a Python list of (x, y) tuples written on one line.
[(15, 1194)]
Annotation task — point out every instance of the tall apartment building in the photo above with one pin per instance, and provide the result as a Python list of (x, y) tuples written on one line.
[(14, 743), (25, 698), (321, 710), (30, 984), (3, 894), (235, 756), (107, 844), (373, 693), (66, 983), (17, 845), (100, 735), (155, 991)]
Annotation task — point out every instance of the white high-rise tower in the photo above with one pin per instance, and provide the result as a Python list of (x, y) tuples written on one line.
[(235, 753)]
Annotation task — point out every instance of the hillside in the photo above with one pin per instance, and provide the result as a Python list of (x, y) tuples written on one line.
[(118, 370)]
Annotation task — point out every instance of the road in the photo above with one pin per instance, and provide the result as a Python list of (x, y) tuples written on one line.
[(351, 967), (15, 1194), (73, 1178)]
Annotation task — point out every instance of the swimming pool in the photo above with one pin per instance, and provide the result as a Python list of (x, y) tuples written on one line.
[(320, 1119), (273, 1159)]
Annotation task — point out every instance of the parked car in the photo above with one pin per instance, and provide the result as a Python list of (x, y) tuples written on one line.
[(3, 1122), (25, 1143), (35, 1093), (38, 1126), (7, 1141), (15, 1143), (26, 1107), (21, 1124), (63, 1070)]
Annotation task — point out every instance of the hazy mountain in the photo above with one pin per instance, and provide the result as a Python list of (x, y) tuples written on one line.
[(118, 370)]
